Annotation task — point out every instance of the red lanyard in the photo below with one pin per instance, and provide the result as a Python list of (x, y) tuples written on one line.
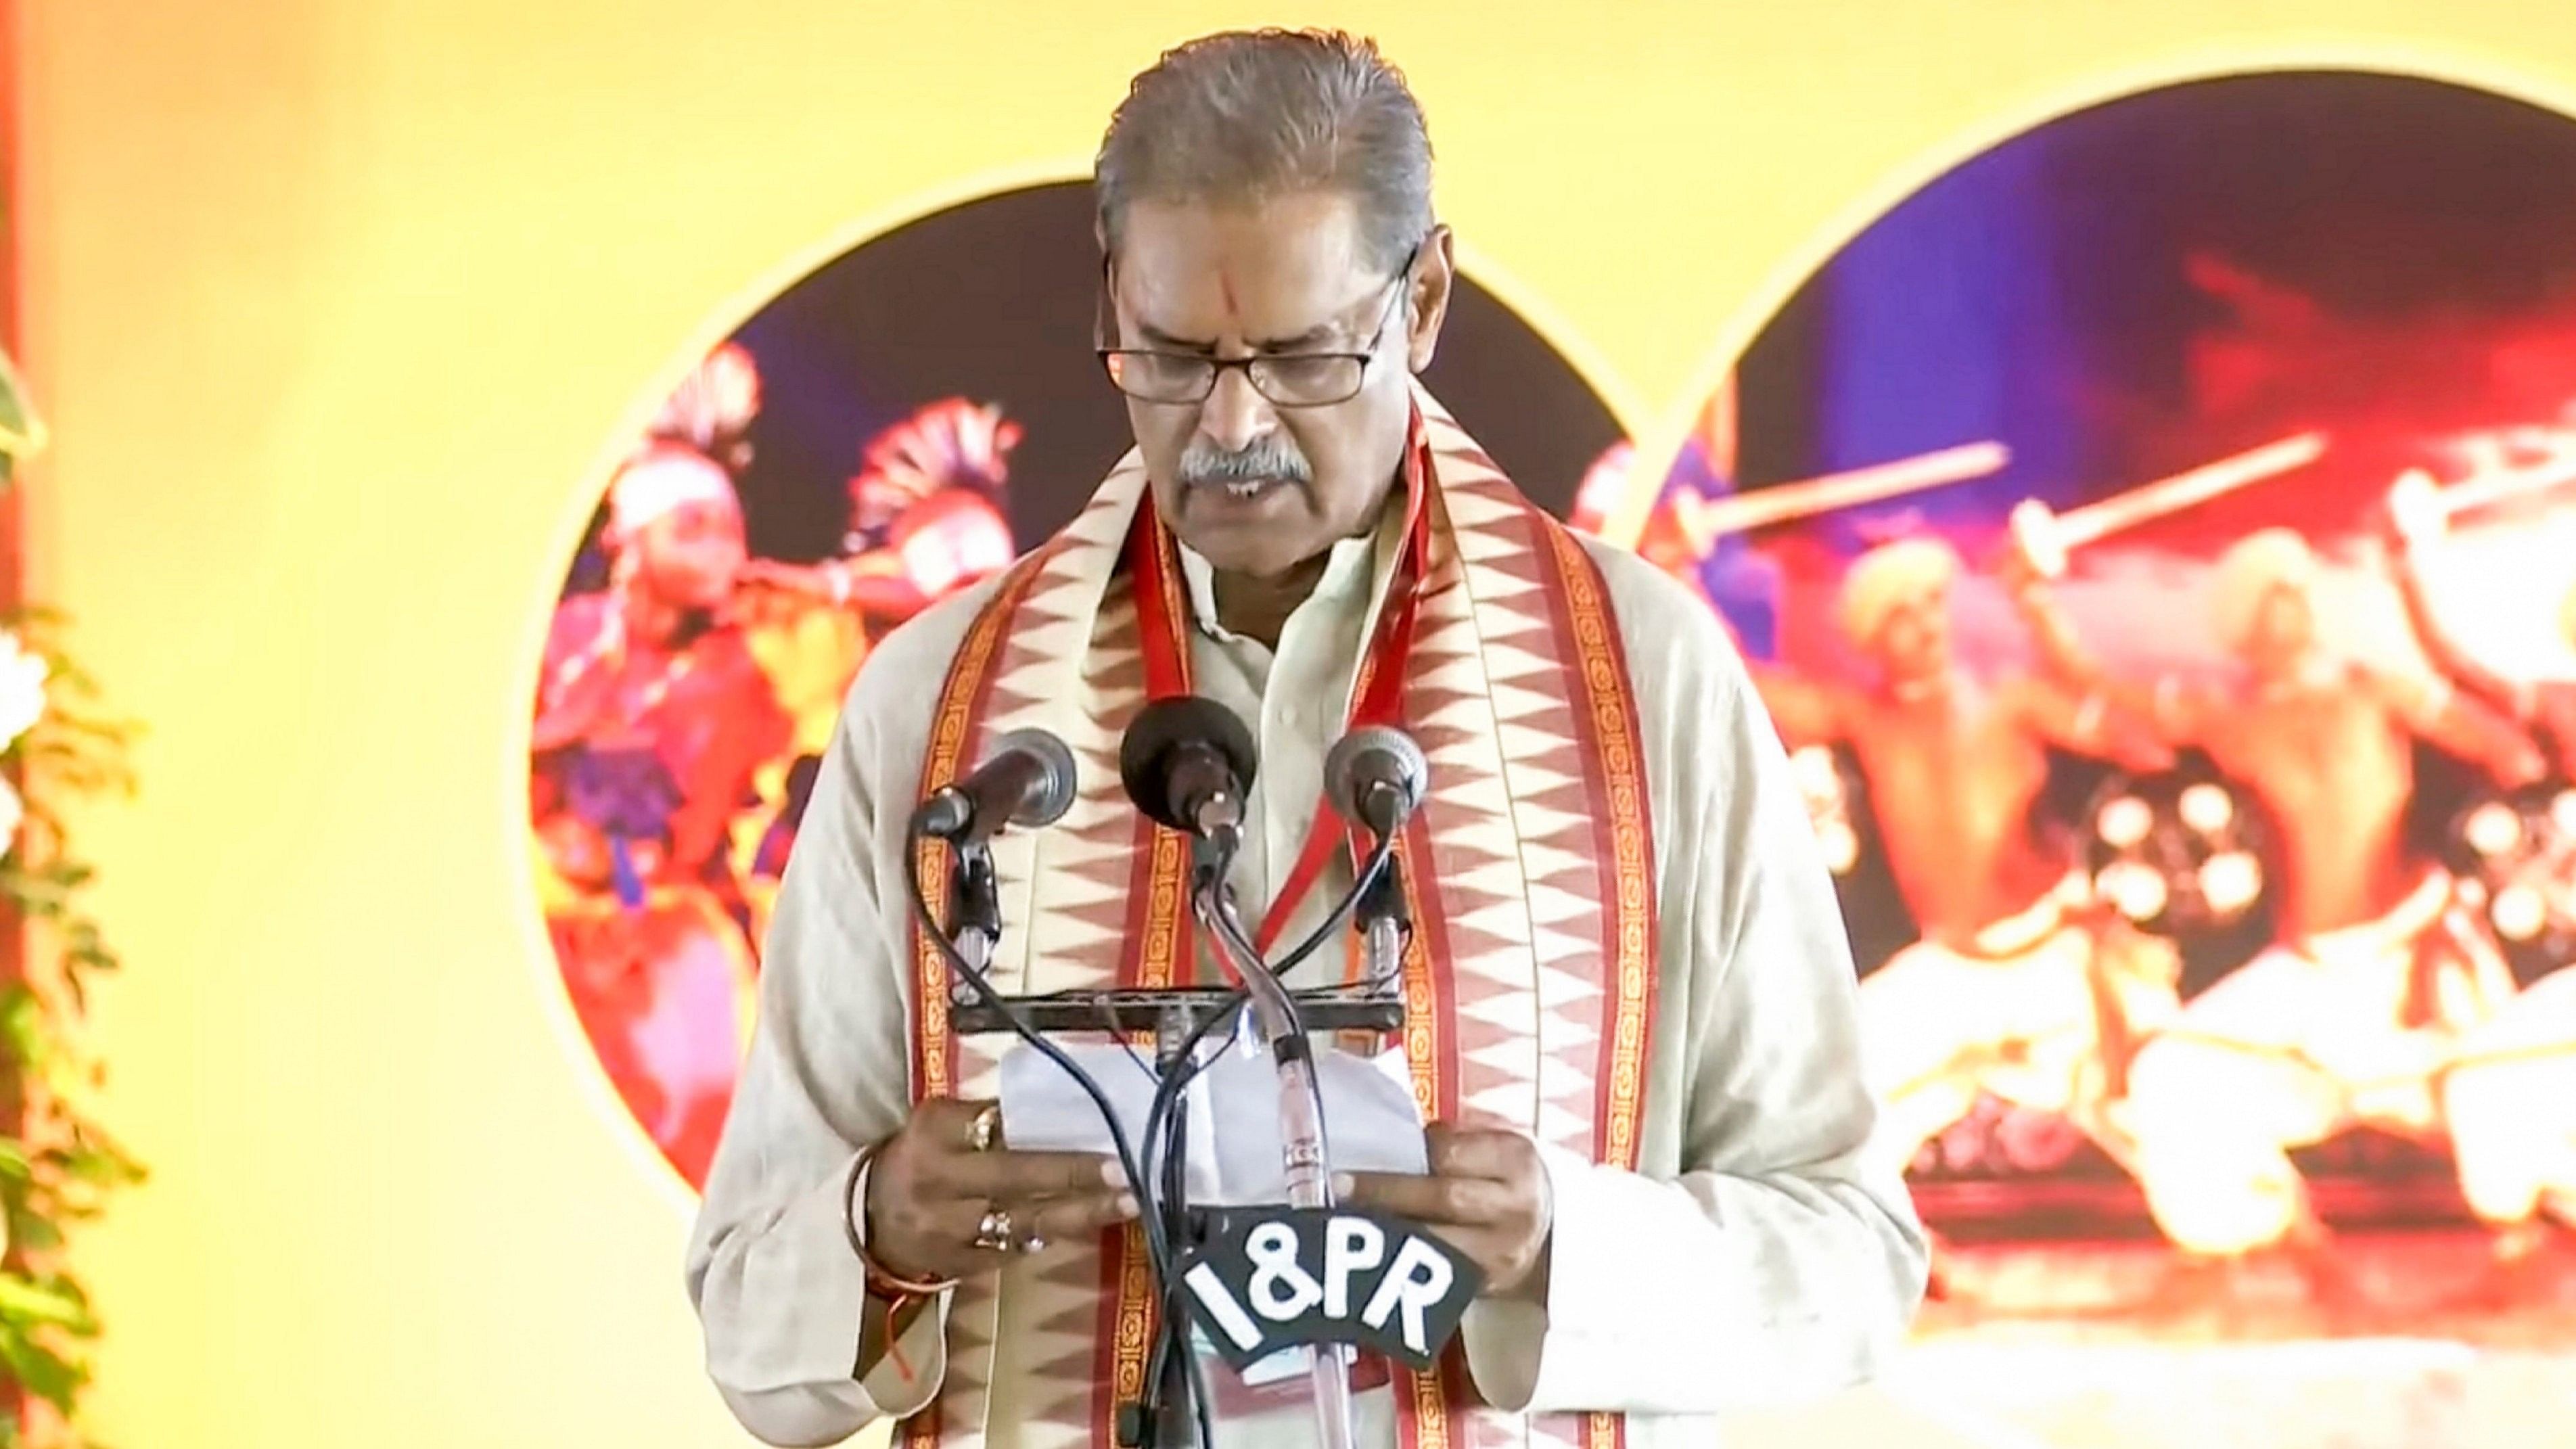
[(1377, 695)]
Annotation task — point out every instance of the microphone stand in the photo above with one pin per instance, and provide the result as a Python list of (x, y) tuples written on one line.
[(1385, 925), (1301, 1120), (975, 914)]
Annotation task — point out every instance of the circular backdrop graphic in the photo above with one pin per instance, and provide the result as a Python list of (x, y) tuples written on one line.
[(2154, 539), (896, 425)]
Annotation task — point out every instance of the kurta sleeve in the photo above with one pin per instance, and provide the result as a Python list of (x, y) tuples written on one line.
[(1778, 1261), (779, 1291)]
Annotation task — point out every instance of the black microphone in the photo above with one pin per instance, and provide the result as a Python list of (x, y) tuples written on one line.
[(1186, 762), (1027, 780), (1375, 777)]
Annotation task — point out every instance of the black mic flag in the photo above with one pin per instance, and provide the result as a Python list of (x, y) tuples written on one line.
[(1186, 761)]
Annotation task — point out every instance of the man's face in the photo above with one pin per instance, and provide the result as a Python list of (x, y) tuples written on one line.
[(2284, 627), (1254, 486), (692, 555), (1914, 642)]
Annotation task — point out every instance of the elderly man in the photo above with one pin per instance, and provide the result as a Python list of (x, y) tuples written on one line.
[(1634, 1018), (2350, 1017), (2018, 987)]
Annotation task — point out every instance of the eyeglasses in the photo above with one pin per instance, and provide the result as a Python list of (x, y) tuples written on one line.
[(1285, 379)]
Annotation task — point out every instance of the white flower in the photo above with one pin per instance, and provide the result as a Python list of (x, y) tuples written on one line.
[(11, 813), (22, 694)]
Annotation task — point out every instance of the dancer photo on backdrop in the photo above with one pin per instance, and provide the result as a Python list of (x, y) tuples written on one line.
[(2157, 539), (683, 706)]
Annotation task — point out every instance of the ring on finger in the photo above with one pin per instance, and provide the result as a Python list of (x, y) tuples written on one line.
[(993, 1234), (986, 1129)]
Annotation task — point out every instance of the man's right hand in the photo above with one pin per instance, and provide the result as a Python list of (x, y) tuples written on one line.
[(929, 1189)]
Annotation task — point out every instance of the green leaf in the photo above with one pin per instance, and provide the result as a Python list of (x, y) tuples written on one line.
[(32, 1233), (39, 1370), (95, 1140), (35, 621), (13, 1158), (22, 1022), (45, 1303), (89, 1164), (66, 1285), (69, 875)]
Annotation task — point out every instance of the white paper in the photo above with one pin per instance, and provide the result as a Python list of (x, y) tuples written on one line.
[(1234, 1153)]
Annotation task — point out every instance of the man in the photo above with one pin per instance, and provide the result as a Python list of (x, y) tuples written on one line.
[(1631, 1110), (2017, 987), (2349, 1017), (2510, 1098), (651, 723)]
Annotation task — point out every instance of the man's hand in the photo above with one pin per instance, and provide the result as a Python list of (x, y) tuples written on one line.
[(1486, 1196), (930, 1187)]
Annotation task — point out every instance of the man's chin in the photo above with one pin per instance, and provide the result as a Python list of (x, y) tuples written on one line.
[(1248, 558), (1259, 550)]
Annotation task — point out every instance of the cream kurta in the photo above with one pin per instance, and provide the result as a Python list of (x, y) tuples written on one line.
[(1756, 1256)]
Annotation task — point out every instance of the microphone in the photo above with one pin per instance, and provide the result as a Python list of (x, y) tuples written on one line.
[(1027, 780), (1375, 777), (1186, 762)]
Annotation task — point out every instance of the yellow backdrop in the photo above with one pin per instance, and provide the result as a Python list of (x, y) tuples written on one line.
[(334, 305)]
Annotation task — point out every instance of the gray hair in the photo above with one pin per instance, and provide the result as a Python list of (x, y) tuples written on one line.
[(1248, 115)]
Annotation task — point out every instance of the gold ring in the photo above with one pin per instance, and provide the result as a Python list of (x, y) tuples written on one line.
[(986, 1129), (993, 1234)]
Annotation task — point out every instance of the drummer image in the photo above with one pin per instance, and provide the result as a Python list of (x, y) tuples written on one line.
[(2510, 1098), (2349, 1017), (2017, 988)]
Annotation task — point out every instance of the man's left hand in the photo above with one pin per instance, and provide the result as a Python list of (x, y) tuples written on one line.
[(1486, 1196)]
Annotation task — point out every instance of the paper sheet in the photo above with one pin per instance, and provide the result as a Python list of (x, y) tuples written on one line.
[(1234, 1154)]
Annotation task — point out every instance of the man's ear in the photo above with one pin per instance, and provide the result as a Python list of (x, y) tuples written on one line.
[(1434, 272)]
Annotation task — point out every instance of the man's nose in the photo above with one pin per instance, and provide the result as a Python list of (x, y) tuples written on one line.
[(1235, 414)]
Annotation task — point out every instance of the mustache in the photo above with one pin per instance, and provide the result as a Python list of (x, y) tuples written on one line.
[(1262, 460)]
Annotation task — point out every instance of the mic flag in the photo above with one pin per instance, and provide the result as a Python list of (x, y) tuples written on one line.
[(1184, 755), (1265, 1279)]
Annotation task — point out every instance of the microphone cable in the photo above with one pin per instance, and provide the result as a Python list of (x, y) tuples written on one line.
[(1171, 1087), (1158, 1249), (1160, 1252), (1161, 1121)]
